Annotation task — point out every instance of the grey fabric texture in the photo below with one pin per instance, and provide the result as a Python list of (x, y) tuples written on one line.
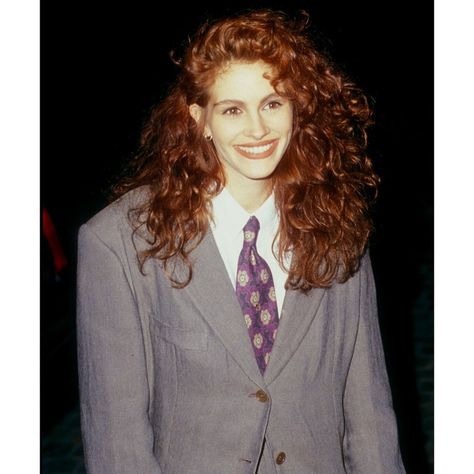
[(168, 377)]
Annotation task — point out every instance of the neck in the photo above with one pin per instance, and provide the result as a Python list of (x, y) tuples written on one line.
[(252, 195)]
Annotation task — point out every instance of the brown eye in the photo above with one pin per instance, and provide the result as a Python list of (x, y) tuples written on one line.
[(274, 104), (232, 111)]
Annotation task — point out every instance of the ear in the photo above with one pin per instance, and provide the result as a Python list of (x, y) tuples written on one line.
[(196, 112)]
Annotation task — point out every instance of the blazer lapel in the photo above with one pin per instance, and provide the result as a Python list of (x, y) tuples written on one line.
[(214, 295), (298, 312)]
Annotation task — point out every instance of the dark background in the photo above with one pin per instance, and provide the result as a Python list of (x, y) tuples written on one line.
[(104, 64)]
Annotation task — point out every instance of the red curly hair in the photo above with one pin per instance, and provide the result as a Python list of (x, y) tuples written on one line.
[(323, 183)]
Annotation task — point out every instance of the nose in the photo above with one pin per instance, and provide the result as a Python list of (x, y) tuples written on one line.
[(257, 128)]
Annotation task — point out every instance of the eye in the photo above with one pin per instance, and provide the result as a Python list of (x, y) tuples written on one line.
[(232, 111), (273, 105)]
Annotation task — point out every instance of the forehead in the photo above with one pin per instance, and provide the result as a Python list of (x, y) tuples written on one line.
[(242, 81)]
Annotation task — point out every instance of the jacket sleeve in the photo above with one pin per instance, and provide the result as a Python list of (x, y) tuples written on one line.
[(116, 430), (371, 439)]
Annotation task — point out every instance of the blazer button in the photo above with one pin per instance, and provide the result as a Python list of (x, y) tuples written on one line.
[(281, 458), (261, 396)]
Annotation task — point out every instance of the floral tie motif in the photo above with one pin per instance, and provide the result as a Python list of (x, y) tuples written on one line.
[(256, 294)]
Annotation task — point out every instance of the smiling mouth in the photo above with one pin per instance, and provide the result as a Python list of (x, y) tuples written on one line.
[(259, 150)]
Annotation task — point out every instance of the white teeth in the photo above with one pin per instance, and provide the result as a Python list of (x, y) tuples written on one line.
[(255, 150)]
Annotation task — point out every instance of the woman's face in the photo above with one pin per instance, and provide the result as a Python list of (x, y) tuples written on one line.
[(249, 122)]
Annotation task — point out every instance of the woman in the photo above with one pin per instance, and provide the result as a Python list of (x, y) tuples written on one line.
[(226, 305)]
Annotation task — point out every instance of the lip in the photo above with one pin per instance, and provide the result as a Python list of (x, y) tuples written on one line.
[(257, 156)]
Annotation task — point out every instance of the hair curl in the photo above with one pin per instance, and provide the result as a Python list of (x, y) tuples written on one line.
[(322, 185)]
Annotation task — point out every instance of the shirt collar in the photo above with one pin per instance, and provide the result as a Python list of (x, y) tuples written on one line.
[(230, 217)]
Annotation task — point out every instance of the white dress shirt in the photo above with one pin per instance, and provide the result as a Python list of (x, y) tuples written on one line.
[(229, 220)]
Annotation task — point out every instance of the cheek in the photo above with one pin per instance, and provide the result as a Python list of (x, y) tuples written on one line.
[(223, 133), (289, 122), (283, 123)]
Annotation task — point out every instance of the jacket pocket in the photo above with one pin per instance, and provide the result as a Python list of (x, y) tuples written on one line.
[(190, 340)]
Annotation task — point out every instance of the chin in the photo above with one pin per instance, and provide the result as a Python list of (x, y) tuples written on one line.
[(260, 172)]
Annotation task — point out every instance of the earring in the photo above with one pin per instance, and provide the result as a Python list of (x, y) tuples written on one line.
[(208, 137)]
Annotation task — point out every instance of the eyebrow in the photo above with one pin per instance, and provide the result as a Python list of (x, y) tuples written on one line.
[(241, 103)]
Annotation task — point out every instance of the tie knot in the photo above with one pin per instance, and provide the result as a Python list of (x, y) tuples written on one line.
[(251, 230)]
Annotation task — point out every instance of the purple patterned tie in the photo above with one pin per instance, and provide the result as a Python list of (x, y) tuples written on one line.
[(256, 294)]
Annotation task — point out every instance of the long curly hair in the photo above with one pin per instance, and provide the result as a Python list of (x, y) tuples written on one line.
[(324, 183)]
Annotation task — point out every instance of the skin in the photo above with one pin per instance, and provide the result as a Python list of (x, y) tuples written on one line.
[(251, 128)]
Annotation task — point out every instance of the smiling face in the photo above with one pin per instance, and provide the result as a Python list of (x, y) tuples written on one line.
[(249, 122)]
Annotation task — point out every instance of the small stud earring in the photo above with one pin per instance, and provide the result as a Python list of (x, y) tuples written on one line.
[(208, 137)]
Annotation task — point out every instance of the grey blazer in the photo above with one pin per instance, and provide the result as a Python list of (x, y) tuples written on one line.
[(169, 382)]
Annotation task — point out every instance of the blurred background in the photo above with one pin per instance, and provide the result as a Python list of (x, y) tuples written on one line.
[(104, 64)]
